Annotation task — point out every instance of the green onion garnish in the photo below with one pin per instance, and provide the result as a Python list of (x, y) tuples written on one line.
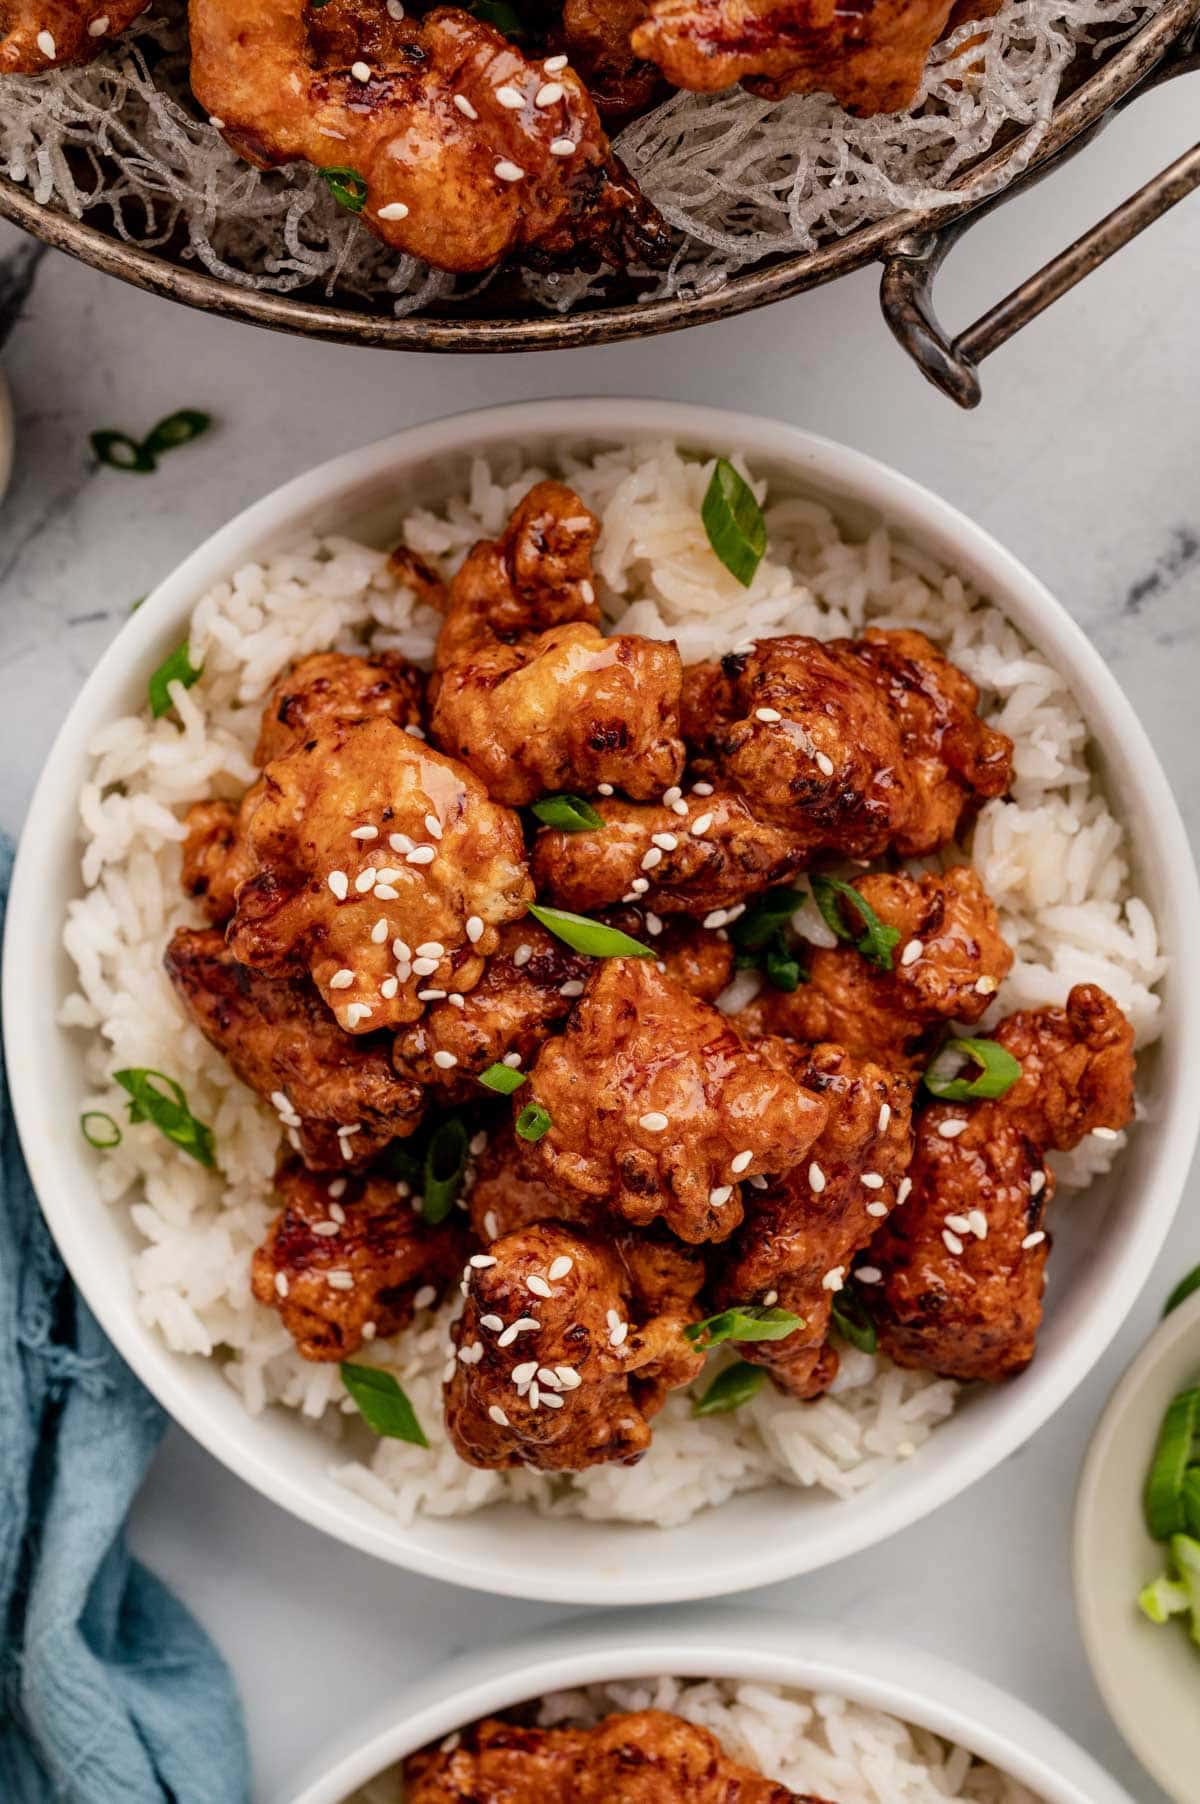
[(853, 1320), (168, 1112), (745, 1321), (590, 937), (382, 1404), (569, 814), (445, 1167), (877, 940), (754, 930), (178, 668), (347, 187), (502, 1079), (730, 1389), (1165, 1598), (500, 15), (120, 452), (997, 1071), (1182, 1291), (533, 1122), (782, 966), (734, 522), (106, 1135), (1176, 1450), (177, 429), (1191, 1499)]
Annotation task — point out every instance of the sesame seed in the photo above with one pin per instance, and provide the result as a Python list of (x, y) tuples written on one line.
[(872, 1180), (339, 1280), (639, 886), (568, 1378), (365, 833), (667, 841), (445, 1061), (554, 65), (717, 918), (912, 952), (474, 929), (379, 932), (816, 1178), (512, 1060), (1035, 1239), (448, 1371), (522, 955), (562, 147), (421, 855), (951, 1129), (985, 986), (212, 117), (280, 1101), (1104, 1133), (768, 715), (652, 857), (904, 1192), (431, 995), (835, 1279), (431, 949), (498, 1416), (702, 789), (98, 27), (45, 44), (550, 1400), (958, 1224), (824, 764), (953, 1243), (740, 1161), (720, 1195), (365, 880), (1037, 1183), (401, 950), (618, 1336), (368, 1330), (885, 1115), (491, 1226), (514, 100), (654, 1122), (481, 1261), (701, 825), (433, 826), (525, 1322), (586, 592), (337, 1188), (326, 1229), (509, 172), (464, 106), (466, 1355), (525, 1373), (494, 1322), (509, 1336), (400, 842), (424, 1297), (654, 924), (403, 970), (356, 1012), (341, 980), (339, 883), (572, 988), (671, 795), (548, 93), (679, 808), (455, 1000), (424, 967), (604, 789), (561, 1266), (538, 1287), (869, 1274), (415, 732), (360, 71), (978, 1223), (878, 1210), (395, 9), (385, 892), (770, 1298), (281, 1284), (395, 209)]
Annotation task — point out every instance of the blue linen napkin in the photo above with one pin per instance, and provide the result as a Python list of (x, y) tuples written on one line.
[(110, 1691)]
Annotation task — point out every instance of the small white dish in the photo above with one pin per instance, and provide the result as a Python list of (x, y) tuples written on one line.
[(1148, 1674), (759, 1647), (759, 1536)]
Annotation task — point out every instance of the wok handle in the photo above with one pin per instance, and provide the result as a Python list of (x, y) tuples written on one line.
[(912, 263)]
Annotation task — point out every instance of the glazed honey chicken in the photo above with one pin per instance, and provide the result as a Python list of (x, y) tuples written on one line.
[(597, 1006)]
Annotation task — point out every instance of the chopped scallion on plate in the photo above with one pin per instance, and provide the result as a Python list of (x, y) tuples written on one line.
[(569, 814), (853, 1320), (765, 916), (178, 668), (533, 1122), (734, 522), (168, 1110), (730, 1389), (1178, 1448), (347, 187), (502, 1079), (445, 1168), (876, 942), (1183, 1290), (590, 937), (99, 1129), (996, 1071), (121, 452), (177, 429), (745, 1321), (382, 1404)]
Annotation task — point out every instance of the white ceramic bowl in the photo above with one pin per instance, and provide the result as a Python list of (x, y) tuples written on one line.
[(1149, 1674), (727, 1644), (764, 1535)]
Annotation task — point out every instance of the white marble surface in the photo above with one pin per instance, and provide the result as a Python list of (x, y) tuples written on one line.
[(1083, 459)]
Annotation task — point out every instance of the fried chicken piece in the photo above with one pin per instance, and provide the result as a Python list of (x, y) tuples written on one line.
[(337, 686), (529, 693), (860, 745), (284, 1044), (800, 1236), (706, 862), (596, 35), (345, 1260), (215, 857), (380, 921), (947, 966), (445, 170), (645, 1757), (871, 57), (963, 1262), (658, 1108), (37, 36), (508, 1189), (599, 1344)]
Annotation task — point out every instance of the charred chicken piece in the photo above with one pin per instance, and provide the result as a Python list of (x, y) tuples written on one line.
[(216, 860), (379, 922), (529, 693), (963, 1262), (658, 1109), (800, 1236), (460, 185), (947, 966), (39, 36), (334, 686), (870, 57), (646, 1757), (706, 861), (859, 745), (338, 1096), (598, 1344), (345, 1260), (508, 1189), (596, 34)]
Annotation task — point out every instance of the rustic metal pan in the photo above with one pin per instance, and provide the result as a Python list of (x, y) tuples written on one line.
[(911, 246)]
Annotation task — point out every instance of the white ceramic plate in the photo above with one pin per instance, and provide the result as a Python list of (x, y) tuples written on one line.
[(1149, 1674), (763, 1535), (720, 1643)]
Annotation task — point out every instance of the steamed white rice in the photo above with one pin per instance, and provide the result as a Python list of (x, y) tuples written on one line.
[(812, 1742), (1052, 855)]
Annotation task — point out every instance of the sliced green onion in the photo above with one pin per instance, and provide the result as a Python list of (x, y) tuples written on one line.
[(347, 187), (754, 930), (734, 522), (178, 668), (876, 942), (168, 1110), (382, 1405), (500, 15), (1191, 1500), (177, 429), (1175, 1452), (502, 1079), (533, 1122), (1182, 1291), (588, 936), (782, 966), (997, 1071), (853, 1320), (569, 814), (120, 452), (730, 1389), (1165, 1598), (745, 1321), (445, 1168), (106, 1135)]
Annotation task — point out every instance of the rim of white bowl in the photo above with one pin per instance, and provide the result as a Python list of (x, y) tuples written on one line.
[(763, 1647), (730, 1563)]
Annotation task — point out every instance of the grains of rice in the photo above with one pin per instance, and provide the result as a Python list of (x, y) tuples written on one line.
[(1053, 856)]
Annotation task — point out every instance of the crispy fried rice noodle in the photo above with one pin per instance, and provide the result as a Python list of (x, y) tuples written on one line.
[(740, 178)]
